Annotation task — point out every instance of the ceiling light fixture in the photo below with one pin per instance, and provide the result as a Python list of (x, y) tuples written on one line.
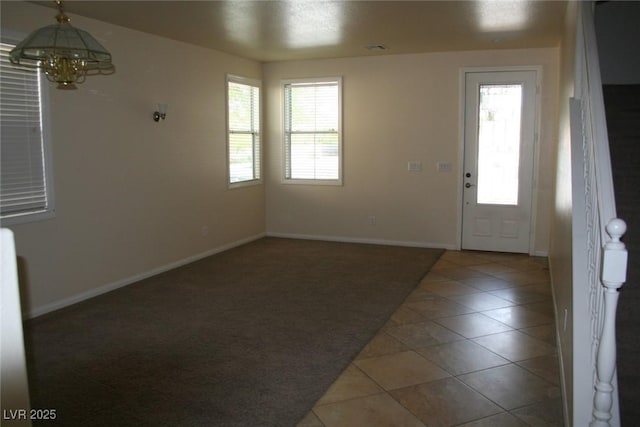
[(66, 55), (376, 47)]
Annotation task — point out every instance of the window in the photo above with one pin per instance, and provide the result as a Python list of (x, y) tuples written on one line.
[(499, 120), (25, 175), (243, 124), (312, 131)]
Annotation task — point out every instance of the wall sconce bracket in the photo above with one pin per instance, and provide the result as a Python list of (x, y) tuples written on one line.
[(161, 113)]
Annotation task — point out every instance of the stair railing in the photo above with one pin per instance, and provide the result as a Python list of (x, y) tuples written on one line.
[(597, 230)]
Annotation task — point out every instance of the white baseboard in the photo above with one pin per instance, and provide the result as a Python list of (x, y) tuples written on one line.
[(47, 308), (561, 353), (414, 244), (541, 253)]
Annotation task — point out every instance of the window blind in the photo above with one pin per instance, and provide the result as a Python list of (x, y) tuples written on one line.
[(312, 130), (23, 186), (244, 131)]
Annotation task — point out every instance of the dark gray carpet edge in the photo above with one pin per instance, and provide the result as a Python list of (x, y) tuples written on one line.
[(252, 336)]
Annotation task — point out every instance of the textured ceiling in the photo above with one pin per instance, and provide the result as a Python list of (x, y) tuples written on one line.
[(283, 30)]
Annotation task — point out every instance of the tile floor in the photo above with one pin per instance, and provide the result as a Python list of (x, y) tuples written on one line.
[(473, 345)]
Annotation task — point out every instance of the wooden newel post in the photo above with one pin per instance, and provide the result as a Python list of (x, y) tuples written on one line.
[(614, 272)]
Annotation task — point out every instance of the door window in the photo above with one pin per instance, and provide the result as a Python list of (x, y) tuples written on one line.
[(499, 143)]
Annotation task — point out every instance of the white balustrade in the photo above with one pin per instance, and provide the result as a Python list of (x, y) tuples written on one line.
[(614, 268), (596, 241)]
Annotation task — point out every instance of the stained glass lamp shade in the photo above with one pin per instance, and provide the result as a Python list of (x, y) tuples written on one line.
[(65, 54)]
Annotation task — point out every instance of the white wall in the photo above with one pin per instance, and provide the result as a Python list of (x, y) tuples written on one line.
[(397, 108), (132, 195), (560, 247), (14, 387)]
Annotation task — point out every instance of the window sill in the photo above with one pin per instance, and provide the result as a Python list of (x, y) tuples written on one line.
[(242, 184), (326, 182), (27, 218)]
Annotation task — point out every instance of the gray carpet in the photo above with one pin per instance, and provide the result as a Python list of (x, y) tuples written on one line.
[(249, 337)]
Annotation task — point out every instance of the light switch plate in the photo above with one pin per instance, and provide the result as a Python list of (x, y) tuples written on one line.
[(414, 166), (444, 167)]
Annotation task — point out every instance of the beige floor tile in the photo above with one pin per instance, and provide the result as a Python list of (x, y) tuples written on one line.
[(441, 307), (511, 386), (482, 301), (521, 278), (528, 264), (487, 283), (443, 264), (400, 370), (449, 288), (543, 288), (311, 420), (501, 420), (473, 325), (462, 357), (460, 273), (380, 345), (547, 413), (515, 346), (525, 294), (546, 333), (445, 402), (350, 384), (405, 314), (503, 258), (546, 367), (380, 410), (433, 277), (462, 258), (420, 293), (518, 317), (541, 260), (422, 334), (545, 307), (423, 345), (492, 268)]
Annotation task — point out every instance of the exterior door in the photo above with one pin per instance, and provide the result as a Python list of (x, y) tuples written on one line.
[(499, 134)]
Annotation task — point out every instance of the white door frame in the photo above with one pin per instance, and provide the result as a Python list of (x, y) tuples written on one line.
[(536, 144)]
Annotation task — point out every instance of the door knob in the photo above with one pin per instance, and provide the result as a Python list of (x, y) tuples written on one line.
[(468, 175), (468, 185)]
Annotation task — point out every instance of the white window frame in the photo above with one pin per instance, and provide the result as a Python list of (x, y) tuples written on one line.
[(48, 212), (257, 160), (287, 180)]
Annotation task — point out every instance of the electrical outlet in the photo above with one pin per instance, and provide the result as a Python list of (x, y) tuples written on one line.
[(372, 220), (414, 166), (444, 167)]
